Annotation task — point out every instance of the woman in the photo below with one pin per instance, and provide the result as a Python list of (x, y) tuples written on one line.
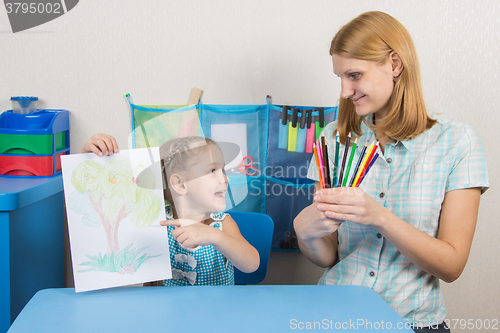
[(412, 220)]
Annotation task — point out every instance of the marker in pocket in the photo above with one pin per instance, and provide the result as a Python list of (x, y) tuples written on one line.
[(320, 124), (311, 130), (293, 130), (302, 133), (283, 128)]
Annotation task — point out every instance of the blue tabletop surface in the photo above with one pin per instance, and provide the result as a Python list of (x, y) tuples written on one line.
[(257, 308), (18, 192)]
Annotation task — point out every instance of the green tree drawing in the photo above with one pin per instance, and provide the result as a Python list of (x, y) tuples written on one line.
[(105, 196)]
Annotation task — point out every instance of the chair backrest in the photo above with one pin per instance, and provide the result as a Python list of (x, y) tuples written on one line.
[(258, 230)]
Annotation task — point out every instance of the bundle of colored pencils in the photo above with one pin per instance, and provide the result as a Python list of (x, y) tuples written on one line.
[(366, 159)]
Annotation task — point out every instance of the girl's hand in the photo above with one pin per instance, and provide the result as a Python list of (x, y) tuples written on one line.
[(195, 234), (349, 204), (100, 144), (313, 223)]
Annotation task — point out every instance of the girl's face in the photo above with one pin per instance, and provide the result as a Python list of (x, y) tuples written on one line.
[(369, 85), (207, 192)]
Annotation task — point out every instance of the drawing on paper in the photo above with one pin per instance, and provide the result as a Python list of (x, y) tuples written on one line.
[(105, 196)]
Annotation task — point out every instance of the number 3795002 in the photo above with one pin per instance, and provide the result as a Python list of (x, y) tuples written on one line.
[(33, 7), (472, 324)]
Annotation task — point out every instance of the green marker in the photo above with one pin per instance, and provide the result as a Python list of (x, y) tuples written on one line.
[(292, 137), (320, 124), (293, 130)]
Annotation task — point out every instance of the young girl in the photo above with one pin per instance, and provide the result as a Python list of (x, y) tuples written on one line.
[(412, 220), (204, 242)]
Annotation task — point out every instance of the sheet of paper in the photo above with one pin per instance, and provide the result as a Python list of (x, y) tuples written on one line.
[(114, 205)]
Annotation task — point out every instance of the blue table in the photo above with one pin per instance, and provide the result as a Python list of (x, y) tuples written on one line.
[(252, 308), (31, 241)]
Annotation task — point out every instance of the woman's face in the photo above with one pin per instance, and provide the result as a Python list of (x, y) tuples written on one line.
[(369, 85)]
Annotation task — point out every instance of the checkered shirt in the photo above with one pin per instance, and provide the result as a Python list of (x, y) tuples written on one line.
[(212, 268), (411, 180)]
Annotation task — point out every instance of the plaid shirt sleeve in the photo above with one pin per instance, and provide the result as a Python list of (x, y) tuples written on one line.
[(469, 169)]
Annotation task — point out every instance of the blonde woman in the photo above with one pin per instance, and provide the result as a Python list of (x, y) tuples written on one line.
[(412, 220)]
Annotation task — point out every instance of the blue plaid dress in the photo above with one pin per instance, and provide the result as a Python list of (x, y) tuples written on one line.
[(200, 266), (411, 180)]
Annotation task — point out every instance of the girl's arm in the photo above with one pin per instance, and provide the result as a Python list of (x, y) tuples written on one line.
[(236, 248), (229, 241), (444, 257), (317, 234)]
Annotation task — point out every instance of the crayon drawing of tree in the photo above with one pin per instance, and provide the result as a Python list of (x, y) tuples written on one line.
[(105, 196)]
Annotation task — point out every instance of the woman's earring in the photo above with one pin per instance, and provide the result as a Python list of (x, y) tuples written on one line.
[(396, 78)]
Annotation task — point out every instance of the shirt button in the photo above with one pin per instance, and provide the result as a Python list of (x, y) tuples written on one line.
[(382, 194), (389, 160), (372, 273), (379, 235)]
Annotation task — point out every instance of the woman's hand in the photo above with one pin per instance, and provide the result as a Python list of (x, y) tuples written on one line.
[(100, 144), (317, 234), (195, 234), (350, 204), (312, 223)]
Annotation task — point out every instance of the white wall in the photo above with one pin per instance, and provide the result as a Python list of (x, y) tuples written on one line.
[(240, 51)]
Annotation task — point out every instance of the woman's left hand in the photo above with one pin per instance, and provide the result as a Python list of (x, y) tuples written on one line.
[(350, 204)]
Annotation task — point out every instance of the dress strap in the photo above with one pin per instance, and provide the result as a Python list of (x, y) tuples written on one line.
[(168, 213), (218, 216)]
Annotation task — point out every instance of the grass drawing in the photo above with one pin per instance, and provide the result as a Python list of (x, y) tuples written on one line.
[(125, 262)]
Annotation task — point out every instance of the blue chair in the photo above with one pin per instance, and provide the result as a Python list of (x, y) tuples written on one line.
[(258, 230)]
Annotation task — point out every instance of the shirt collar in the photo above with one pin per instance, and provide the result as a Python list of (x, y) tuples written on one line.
[(370, 136), (409, 144)]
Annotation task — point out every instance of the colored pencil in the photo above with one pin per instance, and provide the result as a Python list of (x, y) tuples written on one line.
[(321, 142), (326, 162), (366, 162), (353, 150), (320, 157), (368, 169), (317, 166), (362, 165), (336, 165), (346, 151), (360, 159)]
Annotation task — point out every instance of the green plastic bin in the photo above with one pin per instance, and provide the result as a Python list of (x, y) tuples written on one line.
[(31, 144)]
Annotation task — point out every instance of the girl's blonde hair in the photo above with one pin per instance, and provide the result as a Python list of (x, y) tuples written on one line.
[(178, 154), (373, 36)]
